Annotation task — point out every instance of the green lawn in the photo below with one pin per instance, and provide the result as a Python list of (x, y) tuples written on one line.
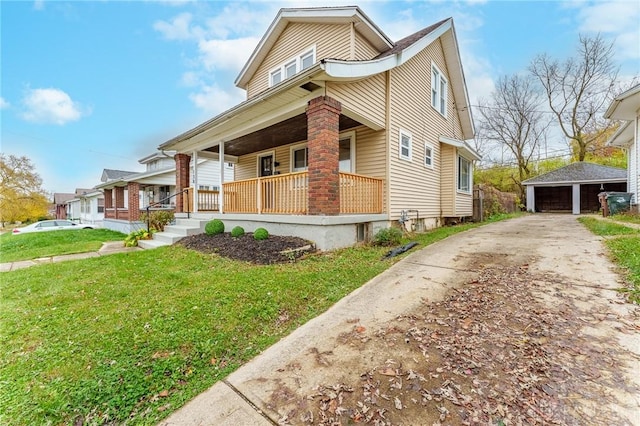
[(53, 243), (130, 337), (624, 247), (627, 217)]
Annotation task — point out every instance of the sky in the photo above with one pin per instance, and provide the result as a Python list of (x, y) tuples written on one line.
[(93, 85)]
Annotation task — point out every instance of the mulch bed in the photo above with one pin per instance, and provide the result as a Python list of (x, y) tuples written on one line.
[(275, 249)]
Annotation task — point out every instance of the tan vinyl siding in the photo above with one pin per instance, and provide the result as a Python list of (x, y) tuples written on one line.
[(366, 97), (370, 152), (364, 50), (331, 41), (449, 180), (412, 185), (247, 167), (464, 204)]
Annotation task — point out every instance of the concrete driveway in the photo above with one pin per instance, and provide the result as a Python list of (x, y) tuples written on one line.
[(516, 322)]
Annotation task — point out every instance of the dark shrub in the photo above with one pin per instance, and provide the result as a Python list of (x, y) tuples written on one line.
[(214, 227), (387, 237), (237, 231), (260, 234)]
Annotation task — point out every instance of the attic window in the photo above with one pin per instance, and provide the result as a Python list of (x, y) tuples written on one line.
[(438, 90), (293, 66)]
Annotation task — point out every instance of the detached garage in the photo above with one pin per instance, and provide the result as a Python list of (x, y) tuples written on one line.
[(573, 188)]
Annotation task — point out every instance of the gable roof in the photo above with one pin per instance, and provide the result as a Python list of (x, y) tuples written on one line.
[(580, 172), (111, 174), (625, 106), (326, 15), (62, 197)]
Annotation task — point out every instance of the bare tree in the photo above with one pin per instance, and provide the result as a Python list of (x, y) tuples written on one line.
[(514, 121), (579, 89)]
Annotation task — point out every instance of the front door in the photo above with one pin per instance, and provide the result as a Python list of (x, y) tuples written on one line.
[(265, 166)]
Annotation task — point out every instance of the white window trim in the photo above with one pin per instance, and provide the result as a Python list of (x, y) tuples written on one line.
[(298, 60), (352, 148), (469, 177), (428, 146), (439, 97), (401, 133), (292, 164)]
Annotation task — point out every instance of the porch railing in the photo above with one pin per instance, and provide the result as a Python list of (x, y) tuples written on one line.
[(208, 201), (121, 213), (288, 194)]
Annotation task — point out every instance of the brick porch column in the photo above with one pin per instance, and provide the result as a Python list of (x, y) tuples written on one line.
[(133, 189), (119, 199), (323, 135), (108, 198), (182, 178)]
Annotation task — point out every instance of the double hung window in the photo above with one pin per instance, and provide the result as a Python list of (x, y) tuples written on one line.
[(438, 90), (292, 66)]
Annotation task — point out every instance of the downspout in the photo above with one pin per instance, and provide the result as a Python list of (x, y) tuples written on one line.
[(387, 123), (221, 170), (194, 160)]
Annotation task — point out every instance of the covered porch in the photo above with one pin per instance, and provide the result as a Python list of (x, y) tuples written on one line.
[(299, 165)]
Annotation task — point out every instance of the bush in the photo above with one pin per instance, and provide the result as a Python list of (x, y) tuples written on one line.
[(214, 227), (260, 234), (132, 239), (237, 231), (387, 237), (158, 219)]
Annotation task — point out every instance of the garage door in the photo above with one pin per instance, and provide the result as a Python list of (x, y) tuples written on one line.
[(553, 199)]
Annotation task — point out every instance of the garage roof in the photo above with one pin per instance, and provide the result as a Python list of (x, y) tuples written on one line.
[(579, 172)]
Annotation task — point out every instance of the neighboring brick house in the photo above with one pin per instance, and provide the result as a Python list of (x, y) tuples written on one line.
[(626, 108), (128, 194), (343, 131), (60, 200)]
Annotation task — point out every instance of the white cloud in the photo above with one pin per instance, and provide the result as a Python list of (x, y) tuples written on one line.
[(180, 28), (214, 100), (240, 19), (51, 106), (618, 19), (38, 5), (3, 103), (190, 79), (226, 54)]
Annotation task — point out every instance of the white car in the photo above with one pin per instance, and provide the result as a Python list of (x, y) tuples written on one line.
[(51, 225)]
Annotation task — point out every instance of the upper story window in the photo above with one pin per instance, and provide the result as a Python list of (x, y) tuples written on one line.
[(438, 90), (405, 145), (292, 66)]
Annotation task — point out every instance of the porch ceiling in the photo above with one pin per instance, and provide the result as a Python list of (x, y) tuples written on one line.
[(285, 132)]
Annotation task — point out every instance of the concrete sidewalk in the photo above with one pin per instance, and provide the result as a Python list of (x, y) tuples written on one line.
[(277, 386), (106, 249)]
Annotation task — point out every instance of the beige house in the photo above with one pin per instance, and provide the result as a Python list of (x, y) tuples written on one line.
[(343, 131)]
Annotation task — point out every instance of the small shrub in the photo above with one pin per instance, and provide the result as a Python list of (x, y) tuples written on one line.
[(158, 219), (260, 234), (214, 227), (387, 237), (237, 231), (132, 239)]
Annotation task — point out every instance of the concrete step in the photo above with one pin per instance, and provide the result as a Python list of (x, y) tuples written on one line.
[(151, 244), (184, 230), (168, 237)]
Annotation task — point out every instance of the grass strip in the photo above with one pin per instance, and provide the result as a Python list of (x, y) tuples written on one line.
[(605, 228), (624, 247), (53, 243)]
